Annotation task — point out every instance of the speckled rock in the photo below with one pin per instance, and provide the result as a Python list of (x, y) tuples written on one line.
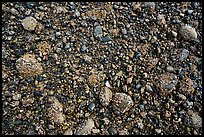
[(121, 103), (186, 86), (166, 82), (92, 80), (55, 111), (28, 66), (188, 33), (105, 96)]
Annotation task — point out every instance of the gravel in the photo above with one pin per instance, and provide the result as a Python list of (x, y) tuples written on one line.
[(102, 68)]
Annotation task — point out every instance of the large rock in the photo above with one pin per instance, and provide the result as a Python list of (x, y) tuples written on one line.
[(29, 23), (85, 128), (55, 111), (122, 103), (28, 66), (188, 33)]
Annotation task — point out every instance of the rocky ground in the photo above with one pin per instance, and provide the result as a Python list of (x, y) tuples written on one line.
[(101, 68)]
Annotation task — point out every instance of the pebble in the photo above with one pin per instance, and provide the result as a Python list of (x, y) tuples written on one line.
[(124, 31), (27, 102), (29, 23), (14, 103), (28, 66), (138, 86), (106, 121), (98, 33), (188, 33), (17, 97), (30, 4), (122, 103), (183, 55), (55, 111), (107, 84), (183, 97), (105, 96), (196, 120), (168, 81), (96, 131), (37, 93), (85, 127), (83, 48), (112, 131), (169, 68), (158, 131), (174, 33), (148, 88), (68, 132), (106, 38), (91, 106)]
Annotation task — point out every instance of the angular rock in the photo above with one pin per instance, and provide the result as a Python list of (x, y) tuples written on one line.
[(98, 33), (122, 103), (105, 96)]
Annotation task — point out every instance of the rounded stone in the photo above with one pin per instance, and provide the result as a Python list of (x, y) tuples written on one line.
[(188, 33), (29, 23), (28, 66)]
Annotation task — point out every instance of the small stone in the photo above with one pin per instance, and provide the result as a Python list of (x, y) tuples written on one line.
[(91, 106), (28, 66), (138, 86), (183, 97), (112, 131), (106, 38), (17, 97), (161, 20), (107, 84), (55, 111), (188, 33), (148, 88), (140, 125), (83, 48), (30, 4), (106, 121), (129, 80), (85, 127), (124, 31), (105, 96), (158, 131), (68, 132), (169, 68), (174, 33), (92, 80), (122, 103), (57, 34), (95, 131), (29, 23), (183, 55), (37, 93), (195, 120), (98, 32)]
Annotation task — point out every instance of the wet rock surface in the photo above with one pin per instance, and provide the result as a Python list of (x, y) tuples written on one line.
[(102, 68)]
